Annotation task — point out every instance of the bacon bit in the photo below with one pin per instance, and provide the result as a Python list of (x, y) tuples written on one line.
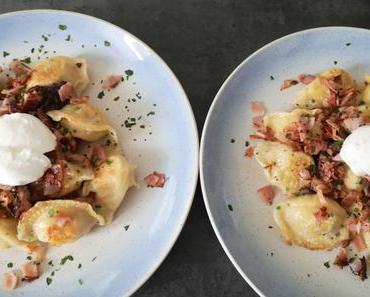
[(306, 78), (341, 259), (155, 180), (36, 250), (305, 174), (321, 214), (29, 271), (350, 198), (352, 124), (321, 188), (266, 134), (10, 281), (359, 243), (345, 243), (361, 269), (258, 107), (66, 92), (31, 101), (53, 179), (267, 194), (288, 83), (257, 122), (354, 227), (111, 82), (349, 98), (97, 156), (249, 152)]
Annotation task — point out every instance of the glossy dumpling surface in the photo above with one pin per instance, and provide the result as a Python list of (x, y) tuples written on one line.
[(57, 221), (60, 68)]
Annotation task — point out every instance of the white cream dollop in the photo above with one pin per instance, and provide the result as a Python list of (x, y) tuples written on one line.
[(355, 151), (23, 141)]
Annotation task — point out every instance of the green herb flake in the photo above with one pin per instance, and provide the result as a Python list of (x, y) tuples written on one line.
[(150, 113), (65, 259), (101, 95), (68, 38), (26, 60), (109, 162), (80, 281), (62, 27), (51, 212), (327, 264), (337, 145), (50, 263), (116, 98), (247, 143), (129, 73), (278, 207), (5, 54), (29, 258), (52, 273), (106, 43), (10, 265), (49, 280), (44, 37), (93, 259), (232, 140), (271, 77), (230, 207), (79, 266), (126, 227)]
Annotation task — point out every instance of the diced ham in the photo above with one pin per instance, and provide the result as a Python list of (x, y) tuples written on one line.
[(10, 281), (37, 250), (66, 92), (354, 226), (111, 82), (257, 122), (288, 83), (351, 124), (29, 271), (155, 180), (249, 152), (306, 78), (267, 194), (97, 156), (341, 259), (321, 214), (305, 174), (258, 107), (359, 243), (53, 179), (350, 198)]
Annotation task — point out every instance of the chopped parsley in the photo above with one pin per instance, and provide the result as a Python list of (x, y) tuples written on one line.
[(312, 169), (327, 264), (68, 38), (80, 281), (129, 73), (32, 50), (51, 213), (150, 113), (26, 60), (93, 259), (65, 259), (337, 145), (79, 266), (10, 265), (101, 95), (232, 140), (348, 44), (109, 162), (48, 280), (230, 207), (335, 62), (271, 77), (62, 27), (44, 37), (106, 43), (278, 207), (247, 143), (126, 227), (116, 98), (5, 54), (50, 263), (29, 258)]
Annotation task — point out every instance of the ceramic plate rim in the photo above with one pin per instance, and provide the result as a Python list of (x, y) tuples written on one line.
[(205, 129), (192, 126)]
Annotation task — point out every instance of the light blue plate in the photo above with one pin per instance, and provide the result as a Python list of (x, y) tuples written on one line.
[(271, 267), (118, 258)]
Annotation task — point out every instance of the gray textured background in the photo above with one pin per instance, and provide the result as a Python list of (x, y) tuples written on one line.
[(203, 41)]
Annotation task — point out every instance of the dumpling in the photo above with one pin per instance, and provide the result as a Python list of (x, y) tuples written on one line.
[(279, 121), (352, 181), (84, 121), (282, 165), (57, 221), (74, 176), (313, 95), (113, 178), (8, 233), (60, 68), (298, 224)]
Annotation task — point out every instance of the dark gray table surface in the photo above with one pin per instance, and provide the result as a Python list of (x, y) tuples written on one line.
[(203, 41)]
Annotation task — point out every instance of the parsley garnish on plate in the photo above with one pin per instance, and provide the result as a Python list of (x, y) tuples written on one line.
[(106, 43), (5, 54), (327, 264), (62, 27), (101, 95), (129, 73), (65, 259), (48, 280)]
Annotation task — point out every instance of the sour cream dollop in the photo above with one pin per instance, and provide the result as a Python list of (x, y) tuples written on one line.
[(355, 151), (24, 140)]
